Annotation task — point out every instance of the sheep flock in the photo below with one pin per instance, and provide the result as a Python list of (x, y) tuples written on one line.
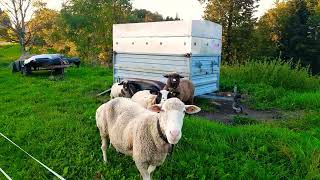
[(144, 119)]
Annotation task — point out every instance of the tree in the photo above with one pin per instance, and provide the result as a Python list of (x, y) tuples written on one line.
[(17, 11), (299, 41), (4, 23), (4, 19), (269, 30), (291, 30), (48, 32), (237, 20), (88, 23), (143, 15)]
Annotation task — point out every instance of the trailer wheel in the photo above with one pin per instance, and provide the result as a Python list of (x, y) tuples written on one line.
[(59, 71), (26, 70)]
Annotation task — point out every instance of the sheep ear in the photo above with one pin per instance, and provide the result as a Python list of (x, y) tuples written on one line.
[(153, 99), (181, 76), (121, 83), (166, 75), (192, 109), (154, 92), (155, 108)]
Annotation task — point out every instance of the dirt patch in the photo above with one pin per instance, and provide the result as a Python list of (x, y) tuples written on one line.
[(226, 114)]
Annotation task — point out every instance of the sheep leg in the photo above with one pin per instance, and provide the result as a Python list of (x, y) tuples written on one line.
[(143, 169), (104, 148), (151, 169)]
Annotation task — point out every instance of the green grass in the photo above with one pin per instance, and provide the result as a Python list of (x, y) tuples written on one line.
[(54, 121), (275, 73), (274, 84), (264, 96)]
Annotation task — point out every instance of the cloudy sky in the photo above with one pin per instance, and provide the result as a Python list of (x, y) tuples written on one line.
[(186, 9)]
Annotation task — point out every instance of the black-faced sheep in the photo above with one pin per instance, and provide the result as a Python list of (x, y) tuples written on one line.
[(146, 136), (123, 89), (129, 88), (182, 89)]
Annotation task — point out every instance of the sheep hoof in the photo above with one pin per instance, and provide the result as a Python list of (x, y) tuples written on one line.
[(105, 161)]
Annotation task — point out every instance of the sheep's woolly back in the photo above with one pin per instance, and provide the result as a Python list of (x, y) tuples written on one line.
[(144, 98), (133, 130), (186, 89), (173, 104)]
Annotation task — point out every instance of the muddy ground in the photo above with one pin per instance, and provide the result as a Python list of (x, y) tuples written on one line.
[(225, 114)]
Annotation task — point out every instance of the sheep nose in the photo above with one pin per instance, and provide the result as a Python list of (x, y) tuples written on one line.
[(174, 80), (175, 133)]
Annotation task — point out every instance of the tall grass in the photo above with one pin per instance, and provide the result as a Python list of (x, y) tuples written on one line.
[(276, 73), (274, 84)]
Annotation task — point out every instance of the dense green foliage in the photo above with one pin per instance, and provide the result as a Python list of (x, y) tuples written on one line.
[(290, 30), (274, 84), (237, 20), (93, 21), (276, 73), (143, 15), (54, 121)]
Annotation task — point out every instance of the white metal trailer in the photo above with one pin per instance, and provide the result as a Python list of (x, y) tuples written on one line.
[(149, 50)]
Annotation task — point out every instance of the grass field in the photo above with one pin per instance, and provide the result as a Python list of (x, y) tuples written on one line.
[(54, 121)]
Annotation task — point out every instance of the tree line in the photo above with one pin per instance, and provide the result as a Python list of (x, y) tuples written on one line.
[(81, 28), (289, 31)]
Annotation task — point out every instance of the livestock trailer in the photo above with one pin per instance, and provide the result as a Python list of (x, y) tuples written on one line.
[(150, 50)]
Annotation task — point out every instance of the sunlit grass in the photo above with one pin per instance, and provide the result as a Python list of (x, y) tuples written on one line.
[(54, 121)]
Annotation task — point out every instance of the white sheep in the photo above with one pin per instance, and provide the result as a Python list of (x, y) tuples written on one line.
[(146, 136), (116, 91), (144, 98)]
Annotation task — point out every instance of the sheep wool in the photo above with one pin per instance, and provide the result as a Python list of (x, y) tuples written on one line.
[(132, 130)]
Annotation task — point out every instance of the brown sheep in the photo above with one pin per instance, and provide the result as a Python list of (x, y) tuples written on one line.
[(182, 89)]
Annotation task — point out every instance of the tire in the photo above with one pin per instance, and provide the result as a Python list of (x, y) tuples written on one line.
[(26, 70), (59, 71)]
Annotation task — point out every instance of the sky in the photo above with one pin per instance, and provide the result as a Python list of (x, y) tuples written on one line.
[(186, 9)]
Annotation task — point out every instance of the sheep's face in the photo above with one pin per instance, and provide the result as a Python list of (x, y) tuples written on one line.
[(164, 96), (172, 112), (129, 88), (158, 94), (125, 85), (173, 80)]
